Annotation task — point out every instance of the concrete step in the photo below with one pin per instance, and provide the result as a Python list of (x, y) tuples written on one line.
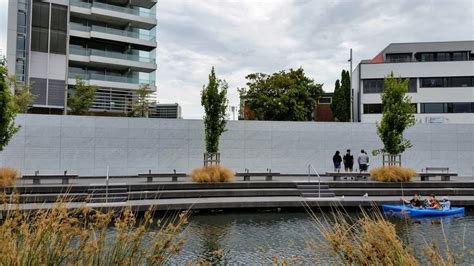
[(104, 190), (108, 199), (315, 195), (399, 192), (308, 186)]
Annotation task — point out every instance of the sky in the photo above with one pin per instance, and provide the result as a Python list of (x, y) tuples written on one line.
[(266, 36)]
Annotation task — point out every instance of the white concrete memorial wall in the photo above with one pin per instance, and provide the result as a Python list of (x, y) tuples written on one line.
[(85, 145)]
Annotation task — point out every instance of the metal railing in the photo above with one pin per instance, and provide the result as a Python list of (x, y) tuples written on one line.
[(310, 167), (109, 54), (132, 11), (123, 33)]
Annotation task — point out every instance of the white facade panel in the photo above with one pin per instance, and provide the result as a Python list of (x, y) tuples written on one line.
[(418, 69), (39, 65)]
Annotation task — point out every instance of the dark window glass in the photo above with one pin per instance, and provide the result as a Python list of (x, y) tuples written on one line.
[(449, 108), (432, 82), (398, 58), (461, 107), (20, 45), (427, 57), (432, 108), (412, 85), (373, 85), (373, 108), (460, 82), (58, 29), (443, 57), (40, 27), (459, 56), (325, 100), (21, 22)]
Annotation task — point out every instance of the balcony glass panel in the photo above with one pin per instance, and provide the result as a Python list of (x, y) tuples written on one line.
[(133, 57), (133, 11), (73, 73)]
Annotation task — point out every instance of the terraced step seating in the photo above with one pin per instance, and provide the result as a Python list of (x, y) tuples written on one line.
[(268, 175), (101, 193), (311, 190)]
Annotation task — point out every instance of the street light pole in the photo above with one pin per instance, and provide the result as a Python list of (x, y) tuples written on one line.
[(351, 90)]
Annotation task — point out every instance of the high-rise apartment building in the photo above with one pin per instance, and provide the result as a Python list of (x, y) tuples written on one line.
[(108, 43), (441, 81)]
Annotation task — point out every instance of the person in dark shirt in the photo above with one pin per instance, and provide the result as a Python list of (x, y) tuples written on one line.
[(348, 162), (337, 159), (415, 202)]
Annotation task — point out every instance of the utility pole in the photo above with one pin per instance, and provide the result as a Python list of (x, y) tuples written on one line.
[(351, 96)]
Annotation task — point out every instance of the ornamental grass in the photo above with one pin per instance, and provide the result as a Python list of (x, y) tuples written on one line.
[(85, 236), (213, 174), (8, 176), (392, 174)]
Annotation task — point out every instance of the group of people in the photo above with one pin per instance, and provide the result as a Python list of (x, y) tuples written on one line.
[(429, 203), (348, 161)]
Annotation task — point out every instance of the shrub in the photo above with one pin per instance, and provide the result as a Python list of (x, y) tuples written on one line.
[(212, 174), (392, 174), (59, 236), (8, 176)]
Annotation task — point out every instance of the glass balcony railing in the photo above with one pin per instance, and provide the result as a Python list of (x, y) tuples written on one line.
[(111, 78), (132, 11), (109, 54), (131, 34)]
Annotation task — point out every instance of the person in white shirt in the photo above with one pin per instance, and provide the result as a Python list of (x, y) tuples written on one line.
[(363, 160)]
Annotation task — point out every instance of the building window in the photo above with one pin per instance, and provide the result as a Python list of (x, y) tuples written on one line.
[(427, 57), (434, 82), (58, 29), (398, 58), (457, 108), (40, 27), (443, 57), (460, 82), (413, 85), (374, 108), (459, 56), (325, 100), (372, 85)]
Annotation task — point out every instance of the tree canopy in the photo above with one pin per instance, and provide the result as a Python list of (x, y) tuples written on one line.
[(281, 96), (397, 115), (214, 100), (8, 109), (83, 96), (341, 99), (142, 102)]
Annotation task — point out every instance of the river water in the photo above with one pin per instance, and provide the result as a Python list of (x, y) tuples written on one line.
[(262, 237)]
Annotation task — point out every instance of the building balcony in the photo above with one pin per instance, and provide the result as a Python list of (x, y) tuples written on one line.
[(145, 42), (137, 17), (113, 60), (110, 81)]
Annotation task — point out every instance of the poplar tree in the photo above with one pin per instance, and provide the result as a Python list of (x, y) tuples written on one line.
[(214, 100)]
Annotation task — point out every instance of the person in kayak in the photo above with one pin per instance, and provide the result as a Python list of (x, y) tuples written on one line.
[(445, 203), (415, 202), (434, 203)]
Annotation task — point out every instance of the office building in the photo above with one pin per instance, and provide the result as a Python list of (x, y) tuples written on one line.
[(163, 110), (108, 43), (441, 81)]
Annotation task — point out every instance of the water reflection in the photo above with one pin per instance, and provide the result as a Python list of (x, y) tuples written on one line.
[(260, 238)]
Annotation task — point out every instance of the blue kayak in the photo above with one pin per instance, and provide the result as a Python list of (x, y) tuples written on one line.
[(401, 209)]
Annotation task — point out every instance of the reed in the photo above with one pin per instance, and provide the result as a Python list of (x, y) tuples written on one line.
[(392, 174), (8, 176), (60, 236), (213, 174)]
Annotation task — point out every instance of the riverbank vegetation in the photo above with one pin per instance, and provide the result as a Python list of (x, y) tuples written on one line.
[(60, 236), (213, 174), (8, 176), (392, 174)]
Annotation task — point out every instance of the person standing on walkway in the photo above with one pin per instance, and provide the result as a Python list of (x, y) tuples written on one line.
[(337, 159), (348, 160), (363, 160)]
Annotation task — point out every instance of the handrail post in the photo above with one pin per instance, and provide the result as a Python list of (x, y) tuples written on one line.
[(107, 186), (309, 172)]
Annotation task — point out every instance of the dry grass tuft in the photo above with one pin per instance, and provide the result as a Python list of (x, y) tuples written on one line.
[(368, 240), (213, 174), (8, 176), (60, 236), (392, 174)]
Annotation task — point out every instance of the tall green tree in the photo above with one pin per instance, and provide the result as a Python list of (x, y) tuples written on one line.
[(397, 115), (8, 109), (282, 96), (341, 99), (141, 104), (214, 100), (82, 98), (23, 96)]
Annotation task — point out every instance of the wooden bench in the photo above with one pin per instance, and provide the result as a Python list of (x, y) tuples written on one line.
[(437, 169), (174, 176), (268, 175), (445, 176), (356, 175), (37, 178)]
